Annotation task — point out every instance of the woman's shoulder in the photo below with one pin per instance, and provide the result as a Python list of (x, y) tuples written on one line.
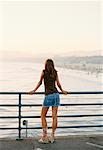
[(56, 70), (43, 70)]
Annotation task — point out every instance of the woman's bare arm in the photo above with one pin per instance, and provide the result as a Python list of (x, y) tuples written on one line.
[(59, 85), (38, 84)]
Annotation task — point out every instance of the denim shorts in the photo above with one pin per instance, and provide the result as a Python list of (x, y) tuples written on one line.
[(51, 100)]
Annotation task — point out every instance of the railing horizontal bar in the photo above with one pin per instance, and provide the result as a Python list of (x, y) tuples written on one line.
[(11, 128), (8, 117), (9, 105), (63, 116), (33, 105), (81, 104), (82, 126), (82, 92)]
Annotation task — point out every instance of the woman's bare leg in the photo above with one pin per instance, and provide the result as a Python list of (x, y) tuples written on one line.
[(54, 119), (43, 120)]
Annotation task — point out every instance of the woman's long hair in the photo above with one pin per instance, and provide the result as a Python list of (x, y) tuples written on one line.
[(49, 67)]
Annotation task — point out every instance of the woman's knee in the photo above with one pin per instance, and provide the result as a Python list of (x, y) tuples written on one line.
[(43, 115), (54, 116), (54, 112), (44, 112)]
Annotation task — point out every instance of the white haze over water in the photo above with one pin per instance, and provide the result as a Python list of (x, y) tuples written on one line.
[(20, 76)]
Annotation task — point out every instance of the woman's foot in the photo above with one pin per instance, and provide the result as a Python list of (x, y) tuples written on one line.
[(43, 140), (52, 138)]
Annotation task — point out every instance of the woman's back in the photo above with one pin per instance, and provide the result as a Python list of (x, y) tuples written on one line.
[(49, 82)]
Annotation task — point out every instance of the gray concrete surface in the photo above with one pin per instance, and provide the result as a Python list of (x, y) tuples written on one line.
[(62, 143)]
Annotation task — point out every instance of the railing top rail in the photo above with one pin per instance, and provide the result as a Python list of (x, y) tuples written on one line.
[(75, 92)]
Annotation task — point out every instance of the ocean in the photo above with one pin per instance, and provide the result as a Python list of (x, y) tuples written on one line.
[(23, 77)]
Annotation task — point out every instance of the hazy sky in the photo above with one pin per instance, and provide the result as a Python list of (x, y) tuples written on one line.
[(50, 26)]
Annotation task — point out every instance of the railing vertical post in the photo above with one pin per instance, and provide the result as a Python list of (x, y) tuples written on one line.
[(19, 120)]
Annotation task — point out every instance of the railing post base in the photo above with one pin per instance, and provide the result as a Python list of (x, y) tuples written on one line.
[(19, 139)]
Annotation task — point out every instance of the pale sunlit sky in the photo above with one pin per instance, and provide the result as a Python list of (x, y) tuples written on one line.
[(38, 27)]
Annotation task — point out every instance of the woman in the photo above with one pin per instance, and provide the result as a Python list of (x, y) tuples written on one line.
[(52, 98)]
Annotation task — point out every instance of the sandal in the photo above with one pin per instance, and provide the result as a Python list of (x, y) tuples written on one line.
[(51, 139), (43, 140)]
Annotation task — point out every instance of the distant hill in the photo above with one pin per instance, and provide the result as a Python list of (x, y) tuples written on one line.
[(84, 60), (71, 57)]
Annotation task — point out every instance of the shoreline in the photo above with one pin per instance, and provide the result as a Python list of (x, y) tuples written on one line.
[(90, 69)]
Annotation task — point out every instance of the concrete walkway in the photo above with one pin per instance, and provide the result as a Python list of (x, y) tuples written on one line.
[(62, 143)]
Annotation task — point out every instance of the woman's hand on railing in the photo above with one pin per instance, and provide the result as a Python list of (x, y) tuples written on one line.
[(31, 92), (64, 92)]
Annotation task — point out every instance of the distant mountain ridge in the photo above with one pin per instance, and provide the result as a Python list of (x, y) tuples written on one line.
[(90, 64), (85, 59), (93, 57)]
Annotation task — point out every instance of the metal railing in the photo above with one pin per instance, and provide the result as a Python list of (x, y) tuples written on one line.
[(20, 105)]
